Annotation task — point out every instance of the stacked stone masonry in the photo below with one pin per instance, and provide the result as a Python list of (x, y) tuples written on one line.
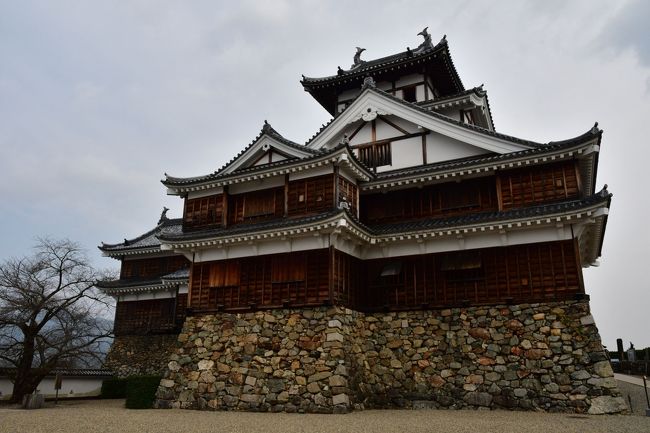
[(135, 355), (332, 360)]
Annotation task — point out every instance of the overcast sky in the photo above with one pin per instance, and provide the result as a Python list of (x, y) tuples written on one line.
[(99, 99)]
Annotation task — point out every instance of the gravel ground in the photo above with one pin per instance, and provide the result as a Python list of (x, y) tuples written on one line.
[(634, 394), (110, 416)]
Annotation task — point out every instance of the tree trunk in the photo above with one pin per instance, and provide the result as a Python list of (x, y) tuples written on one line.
[(25, 382), (26, 385)]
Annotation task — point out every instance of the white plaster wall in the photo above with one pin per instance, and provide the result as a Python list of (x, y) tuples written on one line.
[(349, 94), (348, 174), (256, 185), (146, 296), (6, 388), (205, 193), (70, 387), (363, 136), (451, 112), (147, 256), (409, 79), (404, 124), (405, 153), (384, 130), (318, 171), (386, 86), (275, 157), (419, 93), (467, 242), (443, 148), (275, 246)]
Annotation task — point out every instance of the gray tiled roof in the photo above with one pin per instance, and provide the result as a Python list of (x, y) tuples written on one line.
[(266, 129), (386, 229), (179, 275), (147, 240), (383, 63), (494, 216), (129, 282), (491, 158), (174, 181), (279, 223), (74, 372)]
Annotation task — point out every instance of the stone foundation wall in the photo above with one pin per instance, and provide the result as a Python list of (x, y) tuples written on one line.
[(538, 356), (134, 355)]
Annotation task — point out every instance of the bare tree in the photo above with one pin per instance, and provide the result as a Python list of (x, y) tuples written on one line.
[(50, 313)]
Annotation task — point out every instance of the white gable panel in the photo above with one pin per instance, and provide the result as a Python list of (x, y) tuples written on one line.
[(363, 136), (265, 144), (269, 156), (409, 127), (371, 103), (404, 153), (442, 148)]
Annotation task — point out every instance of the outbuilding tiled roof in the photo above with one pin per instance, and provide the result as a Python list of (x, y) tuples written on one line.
[(69, 372), (147, 240)]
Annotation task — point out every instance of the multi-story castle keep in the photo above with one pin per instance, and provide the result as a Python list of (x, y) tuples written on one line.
[(407, 255)]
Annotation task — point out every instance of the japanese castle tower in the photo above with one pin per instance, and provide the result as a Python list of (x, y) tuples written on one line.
[(407, 255)]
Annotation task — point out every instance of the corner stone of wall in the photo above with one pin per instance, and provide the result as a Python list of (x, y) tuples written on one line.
[(136, 355), (332, 360)]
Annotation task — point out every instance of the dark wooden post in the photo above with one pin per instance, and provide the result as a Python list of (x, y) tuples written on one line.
[(286, 195), (224, 211)]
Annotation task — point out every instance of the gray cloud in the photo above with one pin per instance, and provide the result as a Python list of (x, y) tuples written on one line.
[(629, 30)]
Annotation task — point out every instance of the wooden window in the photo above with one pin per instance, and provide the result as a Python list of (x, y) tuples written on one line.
[(154, 267), (288, 268), (538, 184), (258, 204), (203, 212), (311, 195), (348, 192), (409, 94), (459, 196), (224, 274), (376, 155), (473, 195)]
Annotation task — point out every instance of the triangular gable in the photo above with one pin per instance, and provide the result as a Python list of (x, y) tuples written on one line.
[(372, 103), (271, 155), (268, 143)]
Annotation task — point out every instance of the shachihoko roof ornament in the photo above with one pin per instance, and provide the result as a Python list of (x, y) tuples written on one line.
[(426, 44), (357, 58)]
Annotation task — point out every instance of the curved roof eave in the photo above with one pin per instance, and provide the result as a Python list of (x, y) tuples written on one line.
[(280, 166), (391, 61), (267, 130)]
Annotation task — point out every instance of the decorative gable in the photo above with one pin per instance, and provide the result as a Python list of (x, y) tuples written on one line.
[(268, 147), (387, 133)]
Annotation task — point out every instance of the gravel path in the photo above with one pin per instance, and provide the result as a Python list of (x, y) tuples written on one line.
[(634, 394), (110, 416)]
